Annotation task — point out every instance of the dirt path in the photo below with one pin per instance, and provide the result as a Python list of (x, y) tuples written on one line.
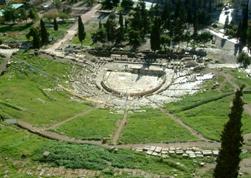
[(58, 137), (72, 31), (121, 125), (69, 119)]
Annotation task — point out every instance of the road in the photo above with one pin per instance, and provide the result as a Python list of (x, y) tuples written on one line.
[(72, 31)]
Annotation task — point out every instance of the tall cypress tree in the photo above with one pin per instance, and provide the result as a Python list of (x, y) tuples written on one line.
[(244, 25), (81, 30), (120, 35), (111, 27), (231, 141), (55, 24), (44, 34), (34, 33), (155, 35)]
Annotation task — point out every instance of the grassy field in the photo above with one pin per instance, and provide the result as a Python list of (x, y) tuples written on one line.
[(210, 118), (205, 112), (19, 145), (28, 91), (153, 126), (98, 124)]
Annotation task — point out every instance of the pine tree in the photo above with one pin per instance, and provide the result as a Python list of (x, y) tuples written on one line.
[(111, 27), (244, 26), (44, 34), (55, 24), (121, 29), (155, 35), (231, 141), (127, 4), (34, 33), (121, 20), (81, 30)]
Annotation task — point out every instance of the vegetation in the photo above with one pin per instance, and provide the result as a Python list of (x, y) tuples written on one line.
[(97, 125), (227, 164), (81, 30), (34, 33), (16, 144), (44, 34), (244, 59), (55, 24), (34, 80), (153, 126)]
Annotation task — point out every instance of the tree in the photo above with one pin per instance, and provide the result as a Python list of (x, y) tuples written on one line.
[(44, 34), (165, 40), (57, 3), (32, 14), (127, 4), (144, 21), (55, 24), (34, 33), (23, 14), (155, 35), (243, 27), (231, 141), (249, 37), (121, 28), (81, 30), (9, 14), (134, 38), (111, 27), (90, 2), (244, 59), (100, 35), (107, 4), (226, 22)]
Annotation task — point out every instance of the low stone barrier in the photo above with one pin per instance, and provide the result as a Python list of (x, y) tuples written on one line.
[(165, 152)]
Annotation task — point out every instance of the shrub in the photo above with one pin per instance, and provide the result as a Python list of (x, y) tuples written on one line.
[(244, 59)]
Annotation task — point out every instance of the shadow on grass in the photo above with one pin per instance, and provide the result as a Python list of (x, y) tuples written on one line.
[(15, 27)]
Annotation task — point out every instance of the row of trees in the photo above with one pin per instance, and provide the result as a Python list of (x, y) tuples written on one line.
[(40, 35), (171, 22)]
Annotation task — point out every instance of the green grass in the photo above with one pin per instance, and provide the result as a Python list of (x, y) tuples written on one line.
[(209, 119), (14, 32), (17, 145), (153, 126), (98, 124), (31, 83), (207, 116), (1, 60), (62, 29), (241, 78)]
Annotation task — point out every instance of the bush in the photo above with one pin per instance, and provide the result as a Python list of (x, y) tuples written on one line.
[(244, 59), (231, 30), (204, 37)]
